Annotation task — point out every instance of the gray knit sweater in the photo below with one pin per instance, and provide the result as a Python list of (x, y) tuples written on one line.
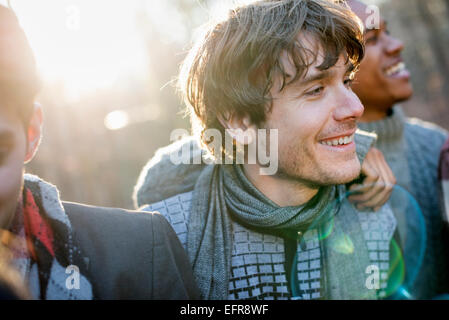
[(411, 148)]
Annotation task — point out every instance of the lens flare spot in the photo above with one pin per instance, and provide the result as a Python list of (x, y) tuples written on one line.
[(326, 229), (396, 274), (116, 120), (343, 244)]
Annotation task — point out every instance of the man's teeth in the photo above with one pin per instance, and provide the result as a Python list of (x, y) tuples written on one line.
[(395, 69), (340, 141)]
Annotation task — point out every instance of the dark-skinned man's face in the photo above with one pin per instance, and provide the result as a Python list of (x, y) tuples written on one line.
[(383, 79)]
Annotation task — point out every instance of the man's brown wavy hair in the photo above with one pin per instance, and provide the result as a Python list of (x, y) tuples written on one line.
[(232, 67)]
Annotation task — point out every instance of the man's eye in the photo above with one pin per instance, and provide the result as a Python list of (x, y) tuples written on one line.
[(315, 92)]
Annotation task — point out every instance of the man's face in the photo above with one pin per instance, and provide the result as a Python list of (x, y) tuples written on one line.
[(316, 118), (13, 148), (383, 79)]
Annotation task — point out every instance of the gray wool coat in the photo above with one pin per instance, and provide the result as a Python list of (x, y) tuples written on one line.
[(130, 254)]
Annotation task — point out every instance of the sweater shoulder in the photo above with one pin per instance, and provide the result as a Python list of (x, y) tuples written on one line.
[(176, 210), (174, 169), (425, 137), (425, 129)]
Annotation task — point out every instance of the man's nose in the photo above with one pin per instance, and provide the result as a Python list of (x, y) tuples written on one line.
[(349, 107), (393, 45)]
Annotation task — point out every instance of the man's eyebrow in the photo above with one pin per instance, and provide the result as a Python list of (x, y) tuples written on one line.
[(315, 77), (323, 75)]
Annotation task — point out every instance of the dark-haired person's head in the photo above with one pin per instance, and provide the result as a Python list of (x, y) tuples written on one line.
[(20, 117), (383, 79), (285, 65)]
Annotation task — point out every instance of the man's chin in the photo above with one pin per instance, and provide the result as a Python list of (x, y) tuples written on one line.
[(402, 92), (344, 176), (404, 97)]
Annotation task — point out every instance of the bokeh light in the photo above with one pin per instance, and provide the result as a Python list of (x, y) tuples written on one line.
[(116, 120), (86, 44)]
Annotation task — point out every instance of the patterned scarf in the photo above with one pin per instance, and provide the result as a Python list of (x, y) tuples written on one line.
[(52, 256)]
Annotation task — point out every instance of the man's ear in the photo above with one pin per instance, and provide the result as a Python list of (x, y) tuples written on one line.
[(240, 128), (34, 132)]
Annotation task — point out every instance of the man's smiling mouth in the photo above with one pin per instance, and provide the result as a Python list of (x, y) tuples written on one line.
[(341, 141), (395, 69)]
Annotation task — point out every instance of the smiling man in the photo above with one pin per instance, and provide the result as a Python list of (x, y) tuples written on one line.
[(67, 250), (285, 67), (410, 146)]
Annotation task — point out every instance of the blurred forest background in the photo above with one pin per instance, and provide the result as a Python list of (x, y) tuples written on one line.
[(110, 102)]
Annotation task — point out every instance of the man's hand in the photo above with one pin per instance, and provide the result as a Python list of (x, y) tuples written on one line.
[(377, 185)]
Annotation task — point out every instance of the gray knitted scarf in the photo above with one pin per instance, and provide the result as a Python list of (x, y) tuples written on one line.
[(222, 192)]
